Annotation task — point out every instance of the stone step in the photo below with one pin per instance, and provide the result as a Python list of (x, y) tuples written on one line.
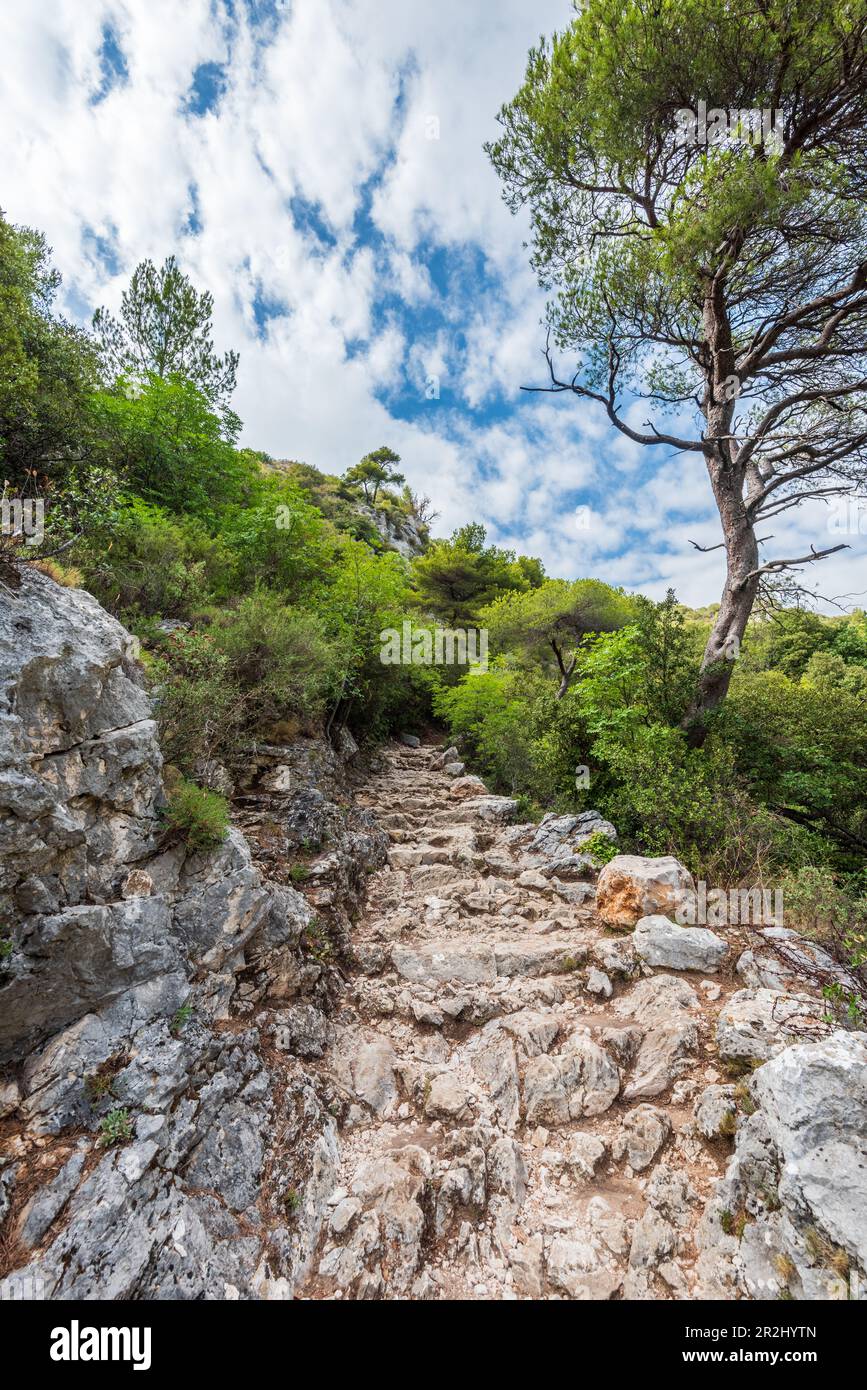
[(484, 963)]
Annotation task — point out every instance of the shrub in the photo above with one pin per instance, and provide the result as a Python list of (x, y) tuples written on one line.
[(181, 1019), (199, 817), (115, 1128), (279, 657), (495, 720), (150, 564), (200, 707), (833, 913), (599, 847)]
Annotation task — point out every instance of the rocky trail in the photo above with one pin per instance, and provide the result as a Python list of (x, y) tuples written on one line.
[(525, 1118), (382, 1042)]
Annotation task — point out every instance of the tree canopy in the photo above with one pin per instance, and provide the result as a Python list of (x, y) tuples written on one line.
[(548, 624), (716, 270), (455, 578), (164, 330), (377, 469)]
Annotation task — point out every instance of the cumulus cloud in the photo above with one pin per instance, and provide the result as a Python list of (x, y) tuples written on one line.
[(318, 166)]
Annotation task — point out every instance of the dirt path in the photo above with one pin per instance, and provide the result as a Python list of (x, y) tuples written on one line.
[(522, 1122)]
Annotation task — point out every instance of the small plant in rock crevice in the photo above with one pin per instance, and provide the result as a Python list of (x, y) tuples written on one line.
[(6, 943), (196, 816), (115, 1128), (734, 1223), (599, 847), (97, 1087), (744, 1099), (316, 941), (180, 1019)]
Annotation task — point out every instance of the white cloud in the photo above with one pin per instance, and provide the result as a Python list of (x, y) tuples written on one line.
[(322, 136)]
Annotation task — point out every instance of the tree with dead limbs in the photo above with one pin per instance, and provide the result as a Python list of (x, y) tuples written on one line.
[(695, 172)]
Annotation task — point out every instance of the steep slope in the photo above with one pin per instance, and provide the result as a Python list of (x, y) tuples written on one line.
[(451, 1066)]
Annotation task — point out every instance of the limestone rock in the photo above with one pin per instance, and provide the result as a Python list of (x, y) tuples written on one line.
[(643, 1133), (661, 1008), (661, 942), (756, 1024), (780, 959), (814, 1100), (597, 982), (580, 1080), (466, 787), (631, 887), (715, 1111), (446, 1098), (576, 1269)]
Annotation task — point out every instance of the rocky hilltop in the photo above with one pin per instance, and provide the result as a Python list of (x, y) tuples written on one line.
[(446, 1064)]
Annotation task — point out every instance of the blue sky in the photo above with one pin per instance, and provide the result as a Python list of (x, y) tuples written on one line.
[(318, 166)]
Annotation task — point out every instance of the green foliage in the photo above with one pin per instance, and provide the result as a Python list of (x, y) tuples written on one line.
[(181, 1018), (147, 562), (600, 847), (489, 710), (620, 718), (115, 1128), (333, 497), (171, 449), (164, 331), (278, 656), (198, 817), (279, 540), (199, 706), (457, 578), (49, 441), (832, 910), (375, 471), (545, 625), (803, 754)]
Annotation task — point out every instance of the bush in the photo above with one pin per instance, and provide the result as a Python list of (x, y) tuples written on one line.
[(200, 707), (279, 657), (494, 721), (599, 847), (833, 913), (150, 564), (199, 817)]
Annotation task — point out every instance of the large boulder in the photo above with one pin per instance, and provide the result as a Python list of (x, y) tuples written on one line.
[(814, 1099), (799, 1173), (661, 942), (756, 1024), (556, 847), (124, 951), (631, 887)]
